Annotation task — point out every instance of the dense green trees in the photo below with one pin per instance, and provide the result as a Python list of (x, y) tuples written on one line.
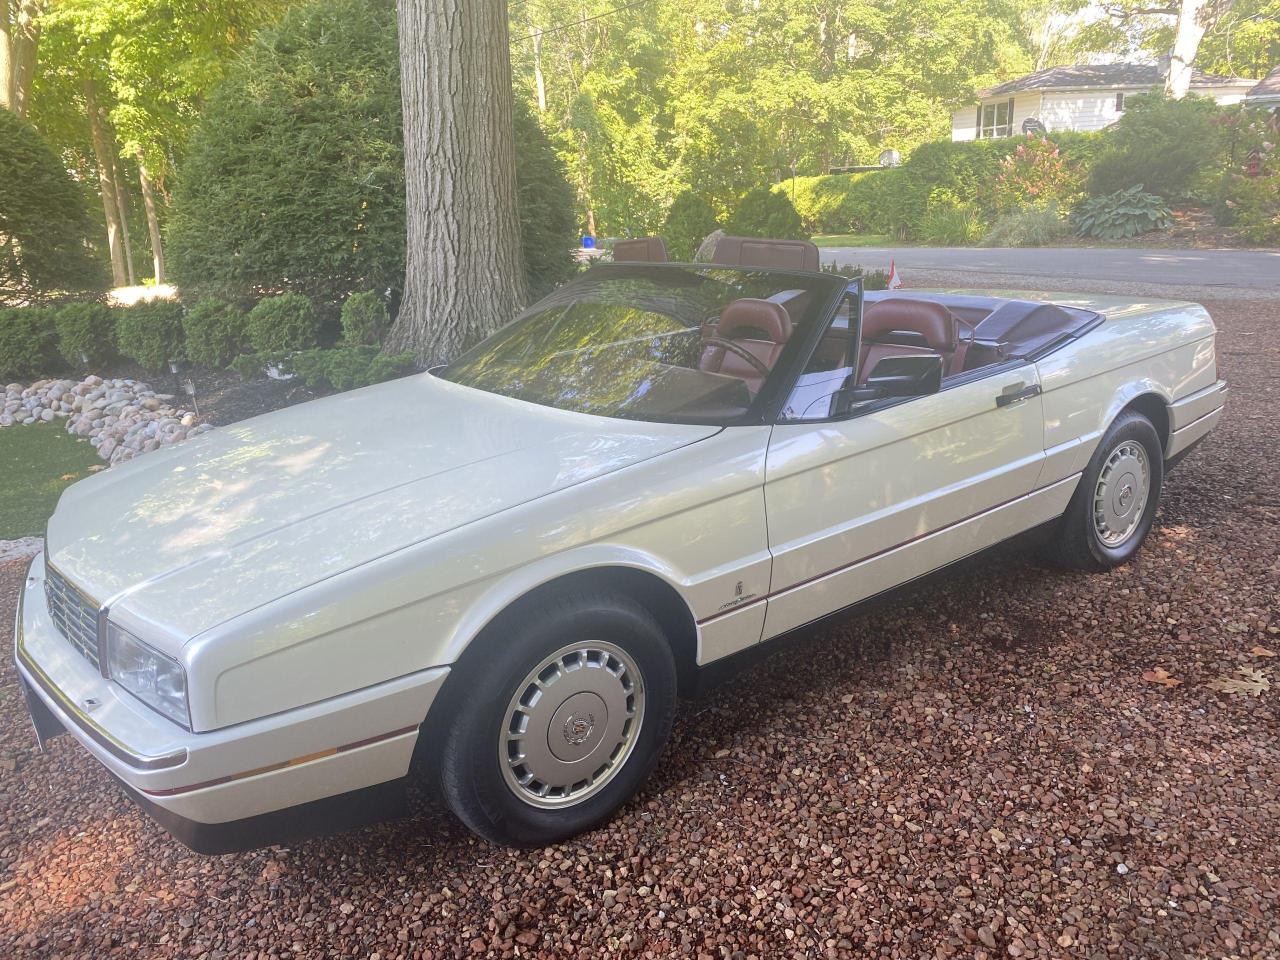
[(43, 221)]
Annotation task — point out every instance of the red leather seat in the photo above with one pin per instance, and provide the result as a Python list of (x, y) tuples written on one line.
[(760, 327), (937, 325)]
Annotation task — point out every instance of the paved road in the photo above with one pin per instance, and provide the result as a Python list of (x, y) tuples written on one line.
[(1255, 272)]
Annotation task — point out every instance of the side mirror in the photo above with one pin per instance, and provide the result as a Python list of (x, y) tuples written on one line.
[(916, 375)]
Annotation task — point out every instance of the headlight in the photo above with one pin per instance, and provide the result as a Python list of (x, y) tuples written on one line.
[(152, 677)]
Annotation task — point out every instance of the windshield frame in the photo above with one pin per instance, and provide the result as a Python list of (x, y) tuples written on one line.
[(828, 289)]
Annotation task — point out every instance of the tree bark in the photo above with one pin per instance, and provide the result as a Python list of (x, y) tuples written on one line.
[(122, 198), (1194, 19), (6, 55), (464, 271), (153, 221), (539, 81), (22, 57), (104, 151)]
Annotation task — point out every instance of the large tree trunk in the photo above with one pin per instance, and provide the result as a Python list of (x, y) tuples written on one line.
[(104, 152), (464, 273), (122, 198), (22, 56), (1194, 19), (6, 55), (153, 221), (540, 81)]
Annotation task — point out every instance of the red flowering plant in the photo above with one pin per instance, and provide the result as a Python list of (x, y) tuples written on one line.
[(1035, 175)]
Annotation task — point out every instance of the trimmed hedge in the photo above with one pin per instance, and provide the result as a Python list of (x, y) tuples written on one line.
[(86, 333), (763, 213), (1163, 146), (26, 342), (364, 320), (216, 331), (836, 202), (150, 332), (286, 322)]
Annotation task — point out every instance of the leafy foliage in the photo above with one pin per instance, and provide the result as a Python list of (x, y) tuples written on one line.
[(1161, 144), (150, 332), (871, 279), (44, 221), (365, 320), (764, 213), (1036, 174), (26, 342), (1029, 227), (344, 367), (1123, 214), (286, 322), (216, 332), (86, 333), (837, 202), (295, 176), (689, 221), (1252, 206)]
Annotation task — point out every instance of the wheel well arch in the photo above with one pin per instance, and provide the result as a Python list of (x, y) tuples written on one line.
[(658, 596), (1153, 407)]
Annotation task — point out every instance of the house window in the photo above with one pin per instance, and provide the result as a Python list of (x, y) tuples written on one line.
[(995, 120), (1119, 103)]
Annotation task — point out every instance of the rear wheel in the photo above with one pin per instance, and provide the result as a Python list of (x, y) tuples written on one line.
[(567, 717), (1115, 504)]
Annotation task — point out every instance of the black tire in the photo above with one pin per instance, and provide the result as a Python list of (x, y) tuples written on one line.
[(472, 779), (1078, 543)]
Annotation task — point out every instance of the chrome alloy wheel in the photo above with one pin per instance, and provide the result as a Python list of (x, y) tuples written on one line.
[(1120, 497), (571, 724)]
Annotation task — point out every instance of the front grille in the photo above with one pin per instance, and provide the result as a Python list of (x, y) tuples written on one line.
[(74, 614)]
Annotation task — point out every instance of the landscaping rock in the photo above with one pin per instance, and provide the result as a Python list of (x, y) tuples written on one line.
[(120, 417)]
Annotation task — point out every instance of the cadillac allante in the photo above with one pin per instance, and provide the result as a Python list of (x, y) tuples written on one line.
[(504, 572)]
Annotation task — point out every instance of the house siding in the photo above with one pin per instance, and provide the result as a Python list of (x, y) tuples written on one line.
[(1083, 111), (964, 121)]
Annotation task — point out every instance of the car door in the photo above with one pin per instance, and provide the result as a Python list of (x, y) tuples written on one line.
[(859, 504)]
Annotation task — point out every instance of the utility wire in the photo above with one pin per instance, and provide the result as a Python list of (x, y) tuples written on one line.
[(560, 28)]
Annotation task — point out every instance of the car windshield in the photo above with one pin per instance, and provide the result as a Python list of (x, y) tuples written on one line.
[(660, 342)]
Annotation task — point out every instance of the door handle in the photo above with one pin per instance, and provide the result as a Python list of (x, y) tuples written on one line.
[(1016, 393)]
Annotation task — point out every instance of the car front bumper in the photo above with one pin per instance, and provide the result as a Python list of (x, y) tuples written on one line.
[(227, 788)]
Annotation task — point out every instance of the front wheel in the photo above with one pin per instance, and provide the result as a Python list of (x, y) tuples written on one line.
[(566, 719), (1115, 504)]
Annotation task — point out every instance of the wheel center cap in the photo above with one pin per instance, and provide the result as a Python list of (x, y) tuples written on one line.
[(1126, 494), (577, 727)]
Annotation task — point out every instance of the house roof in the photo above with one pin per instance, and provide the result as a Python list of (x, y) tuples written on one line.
[(1268, 89), (1082, 76)]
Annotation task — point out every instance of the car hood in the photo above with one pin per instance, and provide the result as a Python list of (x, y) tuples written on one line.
[(190, 536)]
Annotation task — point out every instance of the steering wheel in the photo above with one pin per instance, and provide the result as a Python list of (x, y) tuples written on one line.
[(740, 350)]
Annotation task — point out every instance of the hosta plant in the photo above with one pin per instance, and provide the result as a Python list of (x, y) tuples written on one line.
[(1123, 214)]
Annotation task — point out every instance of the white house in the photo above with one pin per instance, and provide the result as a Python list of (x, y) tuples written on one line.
[(1082, 97)]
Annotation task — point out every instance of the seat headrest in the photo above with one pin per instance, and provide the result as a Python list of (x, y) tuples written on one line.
[(763, 319), (640, 250), (931, 320), (767, 254)]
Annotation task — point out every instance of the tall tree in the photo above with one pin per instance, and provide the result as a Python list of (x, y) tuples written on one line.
[(19, 38), (104, 151), (1194, 18), (464, 275)]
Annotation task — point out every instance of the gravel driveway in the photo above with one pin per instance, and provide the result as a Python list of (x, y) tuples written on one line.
[(976, 769)]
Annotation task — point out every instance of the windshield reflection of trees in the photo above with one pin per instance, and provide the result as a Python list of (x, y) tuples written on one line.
[(606, 344)]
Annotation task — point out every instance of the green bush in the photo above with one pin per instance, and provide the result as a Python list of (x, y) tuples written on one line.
[(26, 342), (286, 322), (1163, 145), (763, 213), (837, 202), (1252, 206), (1123, 214), (871, 279), (294, 176), (337, 368), (86, 333), (1029, 227), (364, 319), (283, 323), (689, 221), (1036, 174), (216, 332), (44, 221), (150, 332)]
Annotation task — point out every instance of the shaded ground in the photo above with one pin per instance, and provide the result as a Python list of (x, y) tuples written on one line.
[(38, 462), (978, 769)]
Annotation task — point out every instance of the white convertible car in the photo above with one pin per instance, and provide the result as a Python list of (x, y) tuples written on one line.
[(511, 567)]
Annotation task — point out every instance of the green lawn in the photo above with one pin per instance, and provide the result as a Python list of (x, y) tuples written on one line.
[(36, 465), (855, 240)]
